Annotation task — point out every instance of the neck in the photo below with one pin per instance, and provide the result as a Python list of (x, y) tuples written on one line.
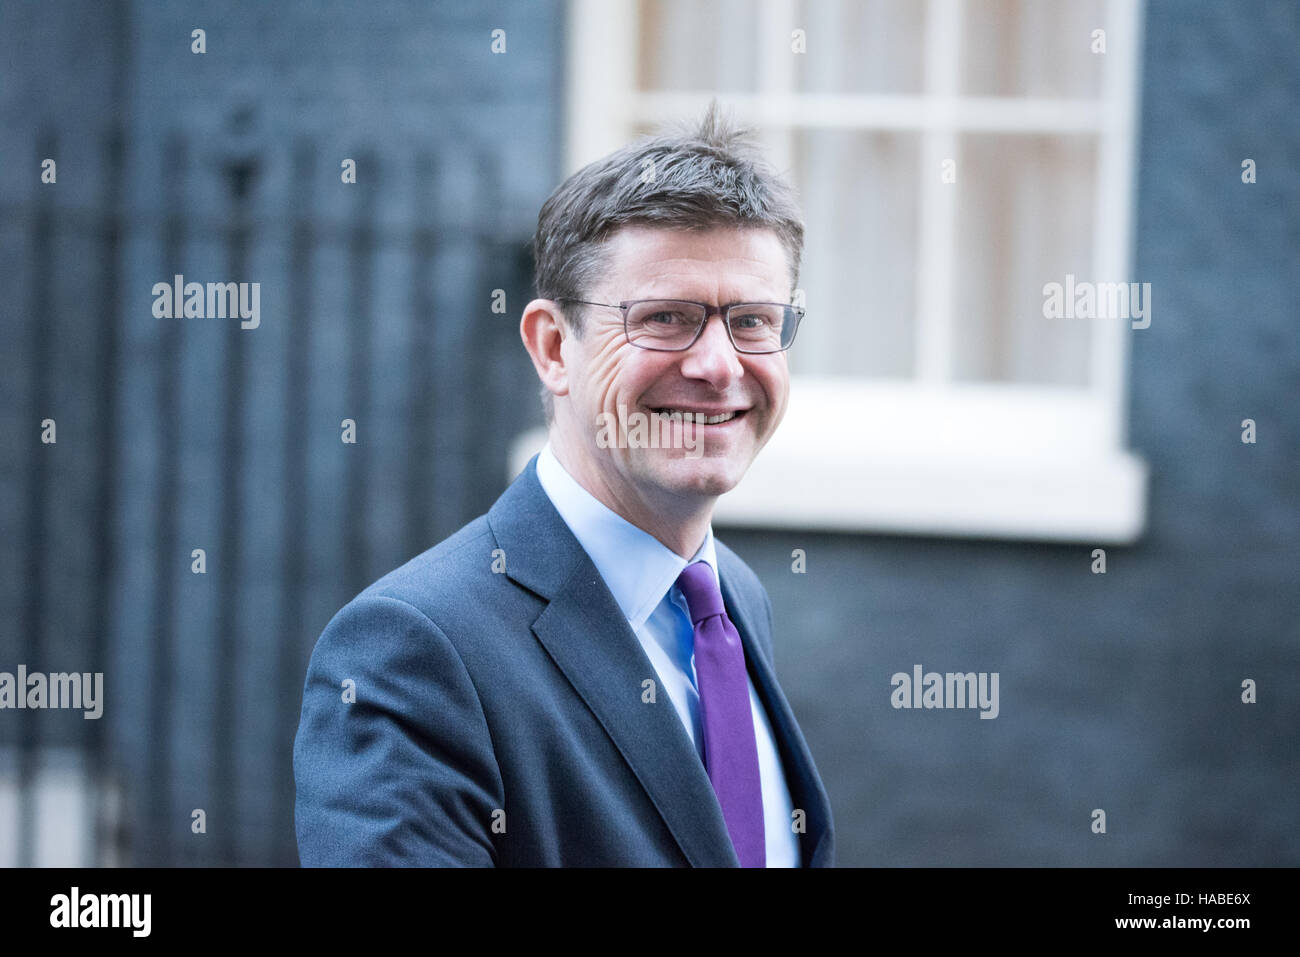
[(679, 524)]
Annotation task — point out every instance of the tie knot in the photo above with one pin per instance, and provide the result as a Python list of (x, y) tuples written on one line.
[(700, 589)]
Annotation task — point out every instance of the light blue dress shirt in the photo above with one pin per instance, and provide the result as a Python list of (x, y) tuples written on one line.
[(641, 573)]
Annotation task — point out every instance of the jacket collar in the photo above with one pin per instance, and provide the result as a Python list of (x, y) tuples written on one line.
[(542, 555)]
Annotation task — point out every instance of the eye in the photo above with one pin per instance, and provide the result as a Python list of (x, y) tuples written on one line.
[(756, 318), (666, 317), (750, 320)]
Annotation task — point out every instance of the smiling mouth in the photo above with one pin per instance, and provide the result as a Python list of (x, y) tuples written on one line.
[(698, 417)]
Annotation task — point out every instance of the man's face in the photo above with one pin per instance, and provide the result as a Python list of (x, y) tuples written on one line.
[(606, 372)]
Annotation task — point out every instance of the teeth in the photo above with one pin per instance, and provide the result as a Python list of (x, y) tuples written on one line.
[(696, 416)]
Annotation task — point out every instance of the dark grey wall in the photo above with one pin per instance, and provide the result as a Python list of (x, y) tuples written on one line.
[(1118, 691), (192, 433)]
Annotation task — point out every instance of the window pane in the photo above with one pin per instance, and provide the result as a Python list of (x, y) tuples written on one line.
[(688, 45), (858, 192), (1031, 48), (1024, 219), (861, 46)]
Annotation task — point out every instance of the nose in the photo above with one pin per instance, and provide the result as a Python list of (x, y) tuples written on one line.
[(712, 357)]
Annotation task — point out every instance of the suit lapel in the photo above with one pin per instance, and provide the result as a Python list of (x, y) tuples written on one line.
[(806, 790), (585, 633), (592, 644)]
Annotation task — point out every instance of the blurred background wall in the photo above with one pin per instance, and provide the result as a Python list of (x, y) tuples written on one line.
[(1119, 691)]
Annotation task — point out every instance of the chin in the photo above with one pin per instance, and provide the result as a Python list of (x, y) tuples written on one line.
[(701, 476)]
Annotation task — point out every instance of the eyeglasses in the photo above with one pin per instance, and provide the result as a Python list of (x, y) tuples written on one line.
[(673, 325)]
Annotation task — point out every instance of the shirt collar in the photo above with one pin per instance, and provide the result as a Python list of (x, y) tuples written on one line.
[(637, 567)]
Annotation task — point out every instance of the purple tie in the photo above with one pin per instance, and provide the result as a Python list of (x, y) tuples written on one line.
[(730, 751)]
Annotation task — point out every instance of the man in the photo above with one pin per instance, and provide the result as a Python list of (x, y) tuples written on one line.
[(583, 676)]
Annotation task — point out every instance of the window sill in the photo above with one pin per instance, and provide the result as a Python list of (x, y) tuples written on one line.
[(1011, 462)]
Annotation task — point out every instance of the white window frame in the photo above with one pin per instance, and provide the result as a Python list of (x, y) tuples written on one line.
[(924, 455)]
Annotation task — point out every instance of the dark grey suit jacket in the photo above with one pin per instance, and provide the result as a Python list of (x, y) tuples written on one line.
[(499, 717)]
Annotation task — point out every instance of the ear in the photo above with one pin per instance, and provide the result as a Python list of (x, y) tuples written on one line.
[(543, 330)]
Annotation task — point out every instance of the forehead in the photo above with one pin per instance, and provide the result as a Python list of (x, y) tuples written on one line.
[(649, 260)]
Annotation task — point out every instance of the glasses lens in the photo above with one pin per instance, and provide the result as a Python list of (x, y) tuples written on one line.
[(663, 324), (762, 326)]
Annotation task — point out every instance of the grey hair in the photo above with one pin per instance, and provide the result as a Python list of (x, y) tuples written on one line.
[(701, 178)]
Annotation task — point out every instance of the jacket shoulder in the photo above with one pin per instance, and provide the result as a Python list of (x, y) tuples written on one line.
[(447, 569)]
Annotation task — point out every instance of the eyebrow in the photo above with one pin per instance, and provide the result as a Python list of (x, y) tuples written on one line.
[(702, 302)]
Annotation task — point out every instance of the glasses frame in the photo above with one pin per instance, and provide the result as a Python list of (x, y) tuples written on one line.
[(709, 312)]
